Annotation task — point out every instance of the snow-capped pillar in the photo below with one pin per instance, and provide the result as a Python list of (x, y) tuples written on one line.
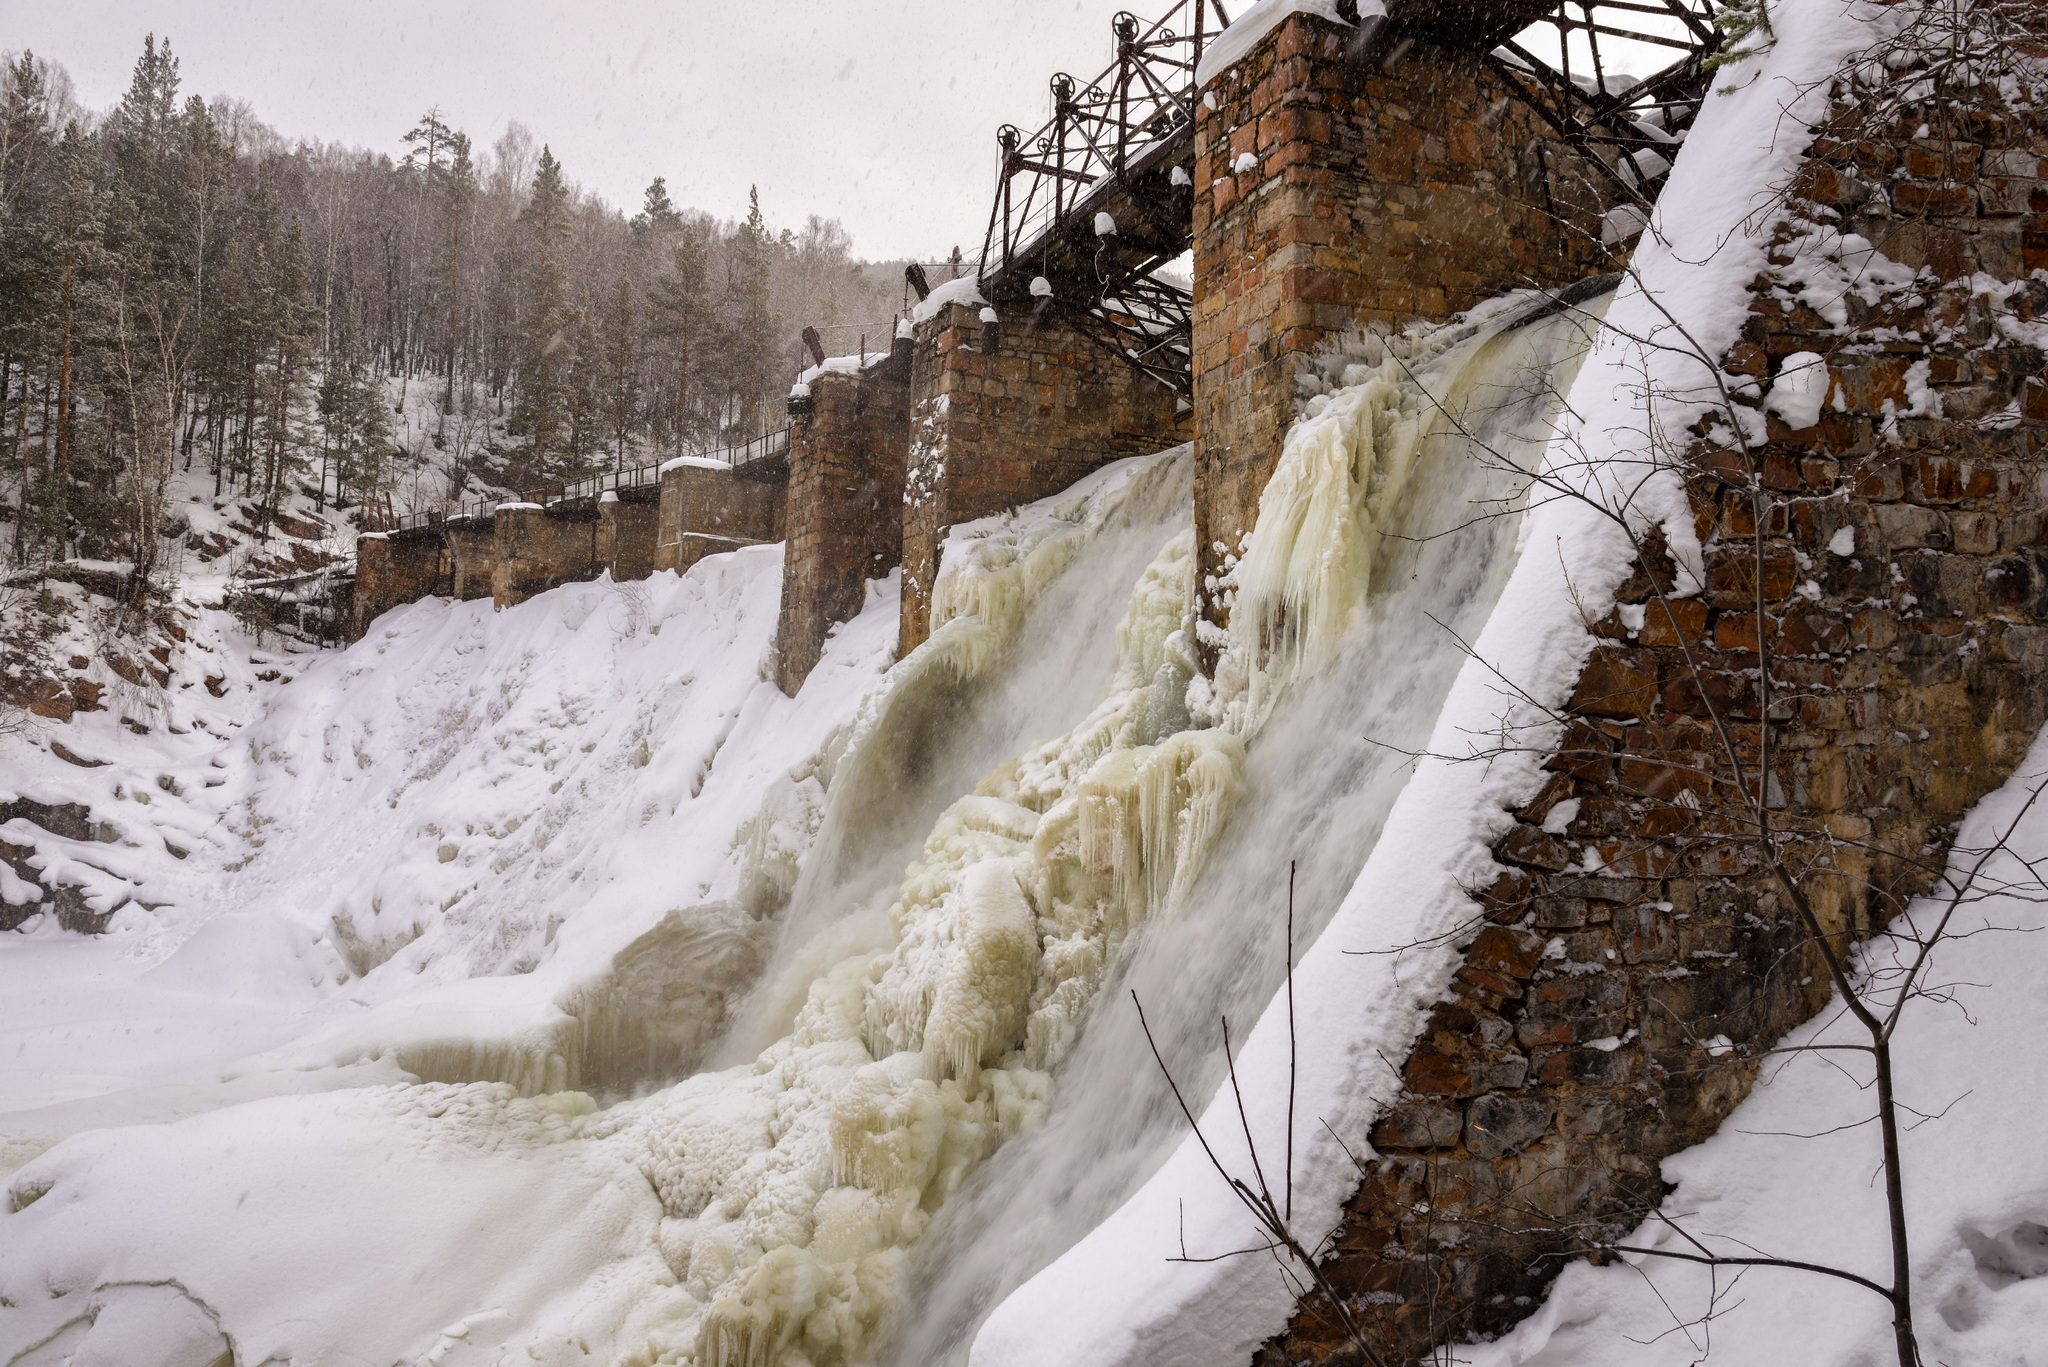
[(626, 534), (847, 451), (473, 550), (1332, 194), (708, 507), (537, 551)]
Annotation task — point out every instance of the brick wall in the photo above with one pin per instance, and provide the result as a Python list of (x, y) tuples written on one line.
[(706, 509), (1572, 1055), (845, 507), (1385, 197), (991, 431)]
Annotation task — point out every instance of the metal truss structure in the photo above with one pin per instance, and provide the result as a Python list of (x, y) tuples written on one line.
[(1629, 126), (1090, 205)]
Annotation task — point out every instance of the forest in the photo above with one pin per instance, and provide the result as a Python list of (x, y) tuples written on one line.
[(182, 289)]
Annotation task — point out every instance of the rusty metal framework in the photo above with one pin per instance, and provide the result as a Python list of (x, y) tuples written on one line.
[(1090, 205), (1629, 126)]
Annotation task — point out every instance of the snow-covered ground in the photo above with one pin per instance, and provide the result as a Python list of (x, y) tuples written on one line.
[(544, 986)]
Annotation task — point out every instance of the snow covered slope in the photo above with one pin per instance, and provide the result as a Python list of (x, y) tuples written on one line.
[(445, 832), (480, 854)]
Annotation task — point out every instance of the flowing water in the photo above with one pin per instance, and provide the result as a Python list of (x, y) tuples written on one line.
[(939, 1083), (1319, 779)]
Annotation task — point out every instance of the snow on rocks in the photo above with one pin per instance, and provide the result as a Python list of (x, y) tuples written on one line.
[(1800, 389)]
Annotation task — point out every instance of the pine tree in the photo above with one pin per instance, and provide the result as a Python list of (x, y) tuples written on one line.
[(153, 338), (752, 317), (80, 206), (619, 353), (546, 410), (457, 199), (29, 249), (284, 430), (682, 315), (207, 172), (657, 218), (355, 427)]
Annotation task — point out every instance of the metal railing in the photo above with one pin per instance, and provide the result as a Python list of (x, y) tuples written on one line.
[(767, 446)]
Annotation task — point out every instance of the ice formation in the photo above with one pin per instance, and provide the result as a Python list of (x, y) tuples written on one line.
[(794, 1186), (1306, 566)]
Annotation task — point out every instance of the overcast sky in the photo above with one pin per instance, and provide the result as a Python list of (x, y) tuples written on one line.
[(881, 113)]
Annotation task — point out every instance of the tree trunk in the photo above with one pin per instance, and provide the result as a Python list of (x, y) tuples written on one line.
[(540, 434), (64, 389)]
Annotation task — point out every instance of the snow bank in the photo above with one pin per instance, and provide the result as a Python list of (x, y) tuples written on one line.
[(1116, 1298)]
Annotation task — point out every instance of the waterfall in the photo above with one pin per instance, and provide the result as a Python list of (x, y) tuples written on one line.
[(1417, 437), (831, 1181)]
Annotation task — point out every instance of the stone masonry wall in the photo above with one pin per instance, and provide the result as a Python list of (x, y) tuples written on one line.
[(394, 568), (537, 551), (473, 546), (992, 431), (706, 508), (1375, 198), (845, 524), (1905, 579), (626, 533)]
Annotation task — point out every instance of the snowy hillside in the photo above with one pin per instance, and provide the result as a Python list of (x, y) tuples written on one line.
[(456, 852)]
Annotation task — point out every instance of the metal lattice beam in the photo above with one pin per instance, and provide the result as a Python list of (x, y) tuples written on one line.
[(1122, 145)]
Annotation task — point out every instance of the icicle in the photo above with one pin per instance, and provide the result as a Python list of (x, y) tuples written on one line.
[(1307, 563)]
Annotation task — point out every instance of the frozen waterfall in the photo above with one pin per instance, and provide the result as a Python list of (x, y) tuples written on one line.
[(1319, 778)]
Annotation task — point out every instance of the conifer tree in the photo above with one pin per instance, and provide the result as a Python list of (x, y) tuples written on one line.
[(284, 430), (752, 317), (458, 197), (546, 409), (682, 315), (619, 360)]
